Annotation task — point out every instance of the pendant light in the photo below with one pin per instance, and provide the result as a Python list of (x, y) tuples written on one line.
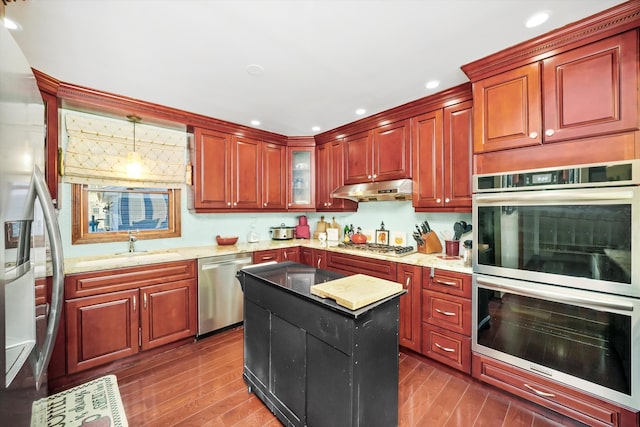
[(134, 161)]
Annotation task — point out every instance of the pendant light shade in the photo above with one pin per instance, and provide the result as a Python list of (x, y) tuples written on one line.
[(134, 160)]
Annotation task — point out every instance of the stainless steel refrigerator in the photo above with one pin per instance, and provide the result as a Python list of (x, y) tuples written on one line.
[(29, 226)]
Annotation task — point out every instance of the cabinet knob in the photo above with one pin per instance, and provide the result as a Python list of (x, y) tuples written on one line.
[(369, 176), (533, 135), (289, 204), (228, 203), (446, 200), (438, 200), (325, 204), (375, 176), (549, 132), (329, 204), (235, 203), (265, 203)]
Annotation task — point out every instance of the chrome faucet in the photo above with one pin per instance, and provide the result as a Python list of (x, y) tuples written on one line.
[(132, 242)]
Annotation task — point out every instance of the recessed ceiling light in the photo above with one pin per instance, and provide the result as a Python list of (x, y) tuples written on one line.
[(255, 122), (255, 70), (9, 24), (537, 19), (360, 111), (432, 84), (315, 128)]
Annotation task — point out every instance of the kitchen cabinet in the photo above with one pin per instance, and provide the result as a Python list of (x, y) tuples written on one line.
[(313, 257), (446, 317), (301, 161), (227, 172), (267, 255), (274, 178), (584, 92), (313, 362), (380, 154), (291, 254), (410, 276), (442, 159), (568, 401), (114, 314), (354, 264), (330, 176)]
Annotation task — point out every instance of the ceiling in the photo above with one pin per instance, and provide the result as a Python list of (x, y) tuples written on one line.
[(320, 59)]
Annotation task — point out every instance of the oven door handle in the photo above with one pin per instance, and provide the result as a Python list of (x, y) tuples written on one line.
[(590, 195), (557, 296)]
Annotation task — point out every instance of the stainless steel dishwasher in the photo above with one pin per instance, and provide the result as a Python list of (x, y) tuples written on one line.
[(219, 292)]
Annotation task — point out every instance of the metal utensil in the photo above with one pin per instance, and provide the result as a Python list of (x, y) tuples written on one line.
[(458, 228)]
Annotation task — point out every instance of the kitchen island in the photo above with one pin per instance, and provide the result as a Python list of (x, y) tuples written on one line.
[(312, 361)]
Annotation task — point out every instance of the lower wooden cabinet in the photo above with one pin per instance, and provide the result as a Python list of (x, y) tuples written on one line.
[(446, 317), (354, 264), (560, 398), (267, 255), (291, 254), (127, 311), (410, 277), (314, 257)]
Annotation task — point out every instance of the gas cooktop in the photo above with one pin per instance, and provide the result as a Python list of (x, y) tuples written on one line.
[(379, 249)]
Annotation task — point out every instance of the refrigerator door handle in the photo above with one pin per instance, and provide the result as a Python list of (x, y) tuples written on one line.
[(40, 357)]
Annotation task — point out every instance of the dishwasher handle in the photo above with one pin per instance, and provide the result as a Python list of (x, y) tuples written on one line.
[(215, 265)]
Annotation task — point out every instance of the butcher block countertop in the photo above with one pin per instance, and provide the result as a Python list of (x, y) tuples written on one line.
[(111, 261), (356, 291)]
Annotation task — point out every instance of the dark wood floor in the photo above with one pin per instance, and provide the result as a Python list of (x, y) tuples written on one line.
[(201, 385)]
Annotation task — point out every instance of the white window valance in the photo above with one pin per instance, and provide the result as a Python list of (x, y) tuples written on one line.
[(97, 149)]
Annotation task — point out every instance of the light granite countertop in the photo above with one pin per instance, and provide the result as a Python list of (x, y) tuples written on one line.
[(106, 262)]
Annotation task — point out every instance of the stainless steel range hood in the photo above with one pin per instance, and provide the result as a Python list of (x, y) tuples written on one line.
[(399, 189)]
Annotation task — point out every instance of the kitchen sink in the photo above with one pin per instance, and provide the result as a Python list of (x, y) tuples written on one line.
[(129, 258)]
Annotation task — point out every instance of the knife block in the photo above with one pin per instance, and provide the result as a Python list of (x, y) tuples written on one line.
[(431, 245)]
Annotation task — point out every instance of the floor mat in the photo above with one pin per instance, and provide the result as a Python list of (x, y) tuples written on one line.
[(95, 403)]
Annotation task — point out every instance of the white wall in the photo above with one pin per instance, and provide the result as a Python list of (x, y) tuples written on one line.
[(201, 229)]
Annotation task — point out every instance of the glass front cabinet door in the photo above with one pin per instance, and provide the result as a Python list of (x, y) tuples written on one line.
[(301, 178)]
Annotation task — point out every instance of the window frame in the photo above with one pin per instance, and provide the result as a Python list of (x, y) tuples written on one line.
[(80, 220)]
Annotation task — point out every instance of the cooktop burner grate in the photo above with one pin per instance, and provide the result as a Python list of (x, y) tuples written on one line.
[(378, 248)]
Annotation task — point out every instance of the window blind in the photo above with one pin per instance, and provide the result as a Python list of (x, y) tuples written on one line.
[(97, 148)]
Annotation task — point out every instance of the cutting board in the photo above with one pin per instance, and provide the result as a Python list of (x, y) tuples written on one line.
[(356, 291)]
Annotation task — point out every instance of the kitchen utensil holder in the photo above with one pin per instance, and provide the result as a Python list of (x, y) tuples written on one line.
[(431, 245)]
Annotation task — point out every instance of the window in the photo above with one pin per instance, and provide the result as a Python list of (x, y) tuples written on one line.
[(108, 213)]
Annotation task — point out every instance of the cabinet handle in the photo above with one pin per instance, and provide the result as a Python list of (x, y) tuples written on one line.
[(134, 303), (286, 256), (406, 285), (319, 262), (538, 392), (445, 283), (144, 295), (445, 313), (533, 135), (447, 200), (438, 200), (447, 349), (549, 132)]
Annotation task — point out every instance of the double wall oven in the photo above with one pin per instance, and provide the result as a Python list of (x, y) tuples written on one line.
[(555, 288)]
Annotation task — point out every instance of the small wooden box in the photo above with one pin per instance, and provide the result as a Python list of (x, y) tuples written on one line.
[(431, 245)]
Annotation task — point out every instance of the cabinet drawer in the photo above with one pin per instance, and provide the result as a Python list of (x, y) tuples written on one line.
[(447, 311), (267, 255), (447, 347), (448, 282), (560, 398), (353, 264), (99, 282)]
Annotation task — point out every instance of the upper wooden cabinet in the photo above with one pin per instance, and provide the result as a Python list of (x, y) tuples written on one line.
[(302, 192), (584, 92), (442, 158), (381, 154), (274, 180), (329, 176), (227, 172)]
